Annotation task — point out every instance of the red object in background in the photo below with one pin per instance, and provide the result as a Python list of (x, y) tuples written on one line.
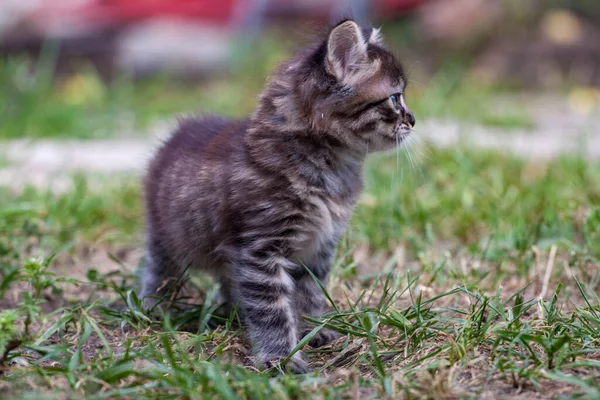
[(67, 19), (100, 14), (128, 11), (107, 13), (395, 7), (220, 12)]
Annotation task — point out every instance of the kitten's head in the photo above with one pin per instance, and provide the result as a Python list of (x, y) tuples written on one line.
[(348, 88), (365, 98)]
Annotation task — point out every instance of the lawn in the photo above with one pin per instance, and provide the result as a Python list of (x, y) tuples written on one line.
[(464, 273)]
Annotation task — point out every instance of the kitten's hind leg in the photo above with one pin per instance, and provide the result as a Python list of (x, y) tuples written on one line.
[(225, 306), (161, 277)]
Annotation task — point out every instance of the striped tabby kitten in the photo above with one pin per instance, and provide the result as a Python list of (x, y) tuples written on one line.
[(254, 202)]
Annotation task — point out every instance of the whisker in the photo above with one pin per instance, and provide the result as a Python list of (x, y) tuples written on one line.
[(412, 80), (395, 182), (398, 157), (408, 74), (423, 145), (413, 147), (418, 144), (410, 156), (416, 164)]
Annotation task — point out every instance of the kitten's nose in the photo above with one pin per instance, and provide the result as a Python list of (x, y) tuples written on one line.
[(409, 118)]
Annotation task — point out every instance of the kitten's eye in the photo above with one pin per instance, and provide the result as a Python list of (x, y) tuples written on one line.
[(395, 99)]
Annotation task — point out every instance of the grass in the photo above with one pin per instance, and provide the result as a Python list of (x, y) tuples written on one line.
[(463, 275)]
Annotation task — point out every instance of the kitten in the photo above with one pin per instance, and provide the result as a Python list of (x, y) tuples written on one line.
[(256, 202)]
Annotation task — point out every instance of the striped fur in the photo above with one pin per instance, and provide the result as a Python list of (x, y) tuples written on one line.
[(257, 201)]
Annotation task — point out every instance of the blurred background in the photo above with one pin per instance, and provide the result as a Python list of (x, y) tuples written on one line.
[(121, 69), (490, 208)]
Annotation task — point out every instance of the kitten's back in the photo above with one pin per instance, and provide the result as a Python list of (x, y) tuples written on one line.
[(196, 142), (192, 136)]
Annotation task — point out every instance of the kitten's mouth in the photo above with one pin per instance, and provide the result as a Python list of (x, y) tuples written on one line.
[(395, 137), (402, 132)]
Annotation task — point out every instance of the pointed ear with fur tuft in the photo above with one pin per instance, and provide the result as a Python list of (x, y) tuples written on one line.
[(346, 50), (375, 37)]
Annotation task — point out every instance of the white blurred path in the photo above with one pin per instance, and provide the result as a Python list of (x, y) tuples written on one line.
[(46, 161)]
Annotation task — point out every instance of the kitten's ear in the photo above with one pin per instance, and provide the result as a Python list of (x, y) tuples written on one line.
[(346, 49), (375, 37)]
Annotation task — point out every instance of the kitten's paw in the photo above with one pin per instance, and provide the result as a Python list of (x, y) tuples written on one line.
[(296, 365), (151, 303), (323, 337)]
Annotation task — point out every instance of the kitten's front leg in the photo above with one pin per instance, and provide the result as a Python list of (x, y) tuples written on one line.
[(310, 298), (265, 292)]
